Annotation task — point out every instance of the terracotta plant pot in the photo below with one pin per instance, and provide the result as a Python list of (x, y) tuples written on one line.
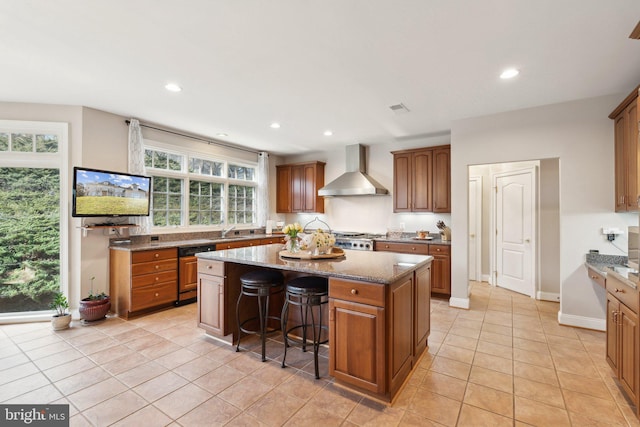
[(60, 322), (96, 309)]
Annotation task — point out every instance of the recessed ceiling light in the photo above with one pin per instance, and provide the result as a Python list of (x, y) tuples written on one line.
[(172, 87), (328, 133), (222, 135), (509, 73), (275, 125)]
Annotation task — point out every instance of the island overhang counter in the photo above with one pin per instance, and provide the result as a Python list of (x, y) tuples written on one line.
[(379, 308)]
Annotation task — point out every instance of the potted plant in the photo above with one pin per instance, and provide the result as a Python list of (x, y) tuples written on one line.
[(95, 306), (62, 318)]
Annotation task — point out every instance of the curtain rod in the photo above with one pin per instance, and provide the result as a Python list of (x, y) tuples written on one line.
[(208, 141)]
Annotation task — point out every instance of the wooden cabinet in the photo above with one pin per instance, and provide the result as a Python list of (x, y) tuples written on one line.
[(623, 336), (404, 248), (297, 187), (143, 281), (422, 180), (378, 332), (188, 278), (422, 310), (627, 153), (596, 276), (440, 267), (357, 344), (211, 301)]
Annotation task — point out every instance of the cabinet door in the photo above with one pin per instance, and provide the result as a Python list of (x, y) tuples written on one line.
[(297, 188), (629, 363), (422, 310), (313, 180), (422, 191), (632, 155), (613, 307), (211, 303), (401, 332), (188, 274), (440, 269), (620, 162), (442, 180), (402, 182), (357, 347), (283, 189)]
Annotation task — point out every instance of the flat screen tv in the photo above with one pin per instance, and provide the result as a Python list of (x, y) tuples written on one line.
[(109, 194)]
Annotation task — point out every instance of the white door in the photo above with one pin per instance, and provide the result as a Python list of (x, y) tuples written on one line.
[(515, 231), (475, 228)]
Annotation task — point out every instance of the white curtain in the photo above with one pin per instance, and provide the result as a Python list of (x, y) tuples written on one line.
[(263, 189), (136, 166)]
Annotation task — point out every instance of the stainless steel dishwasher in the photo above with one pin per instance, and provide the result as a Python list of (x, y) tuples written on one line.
[(188, 272)]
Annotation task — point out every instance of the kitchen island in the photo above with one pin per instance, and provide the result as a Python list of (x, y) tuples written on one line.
[(379, 308)]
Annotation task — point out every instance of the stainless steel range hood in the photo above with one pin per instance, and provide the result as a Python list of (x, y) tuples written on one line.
[(355, 181)]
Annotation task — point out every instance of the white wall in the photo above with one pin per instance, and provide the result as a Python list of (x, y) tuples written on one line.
[(581, 136), (105, 145), (372, 214)]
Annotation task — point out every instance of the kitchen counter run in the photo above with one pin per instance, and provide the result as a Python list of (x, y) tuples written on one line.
[(369, 266)]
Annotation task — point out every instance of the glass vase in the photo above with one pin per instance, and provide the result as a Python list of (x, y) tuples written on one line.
[(293, 245)]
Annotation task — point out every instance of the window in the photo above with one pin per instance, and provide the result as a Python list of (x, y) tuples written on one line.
[(33, 202), (191, 189)]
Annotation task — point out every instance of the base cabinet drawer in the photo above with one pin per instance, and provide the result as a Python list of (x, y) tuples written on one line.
[(153, 295), (140, 281)]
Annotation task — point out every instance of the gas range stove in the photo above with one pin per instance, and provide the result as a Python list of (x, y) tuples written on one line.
[(355, 240)]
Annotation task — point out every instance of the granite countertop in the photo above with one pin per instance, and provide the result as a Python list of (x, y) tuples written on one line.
[(369, 266), (615, 265), (407, 239), (183, 243)]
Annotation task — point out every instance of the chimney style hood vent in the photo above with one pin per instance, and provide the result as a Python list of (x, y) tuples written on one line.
[(355, 181)]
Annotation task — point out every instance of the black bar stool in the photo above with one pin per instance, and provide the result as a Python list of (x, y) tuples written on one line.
[(260, 284), (305, 292)]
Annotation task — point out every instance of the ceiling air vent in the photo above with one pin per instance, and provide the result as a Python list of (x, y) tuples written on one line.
[(399, 108), (635, 34)]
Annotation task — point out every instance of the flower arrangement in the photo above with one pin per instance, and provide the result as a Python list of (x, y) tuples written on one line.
[(323, 242), (291, 232)]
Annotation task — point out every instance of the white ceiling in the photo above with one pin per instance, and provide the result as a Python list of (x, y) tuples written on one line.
[(314, 65)]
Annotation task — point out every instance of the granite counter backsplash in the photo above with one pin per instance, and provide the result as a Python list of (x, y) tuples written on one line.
[(601, 259)]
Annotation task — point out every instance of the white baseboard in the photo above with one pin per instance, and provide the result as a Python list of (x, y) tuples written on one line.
[(548, 296), (486, 278), (582, 322), (459, 302)]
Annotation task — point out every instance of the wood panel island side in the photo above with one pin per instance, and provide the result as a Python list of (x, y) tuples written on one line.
[(379, 308)]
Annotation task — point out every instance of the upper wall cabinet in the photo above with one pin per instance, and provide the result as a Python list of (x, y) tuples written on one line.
[(297, 187), (627, 153), (422, 180)]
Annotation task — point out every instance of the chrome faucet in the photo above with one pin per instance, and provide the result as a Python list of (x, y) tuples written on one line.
[(226, 230)]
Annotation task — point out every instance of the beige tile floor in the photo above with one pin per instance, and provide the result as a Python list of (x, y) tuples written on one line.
[(506, 361)]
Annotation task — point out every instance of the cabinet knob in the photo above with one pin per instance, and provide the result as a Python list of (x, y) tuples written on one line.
[(354, 292), (619, 290), (156, 255), (594, 277), (437, 249), (386, 246), (413, 248), (209, 267), (157, 267), (157, 294), (157, 278)]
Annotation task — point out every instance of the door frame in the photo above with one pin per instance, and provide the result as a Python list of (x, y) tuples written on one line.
[(477, 179), (533, 170)]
